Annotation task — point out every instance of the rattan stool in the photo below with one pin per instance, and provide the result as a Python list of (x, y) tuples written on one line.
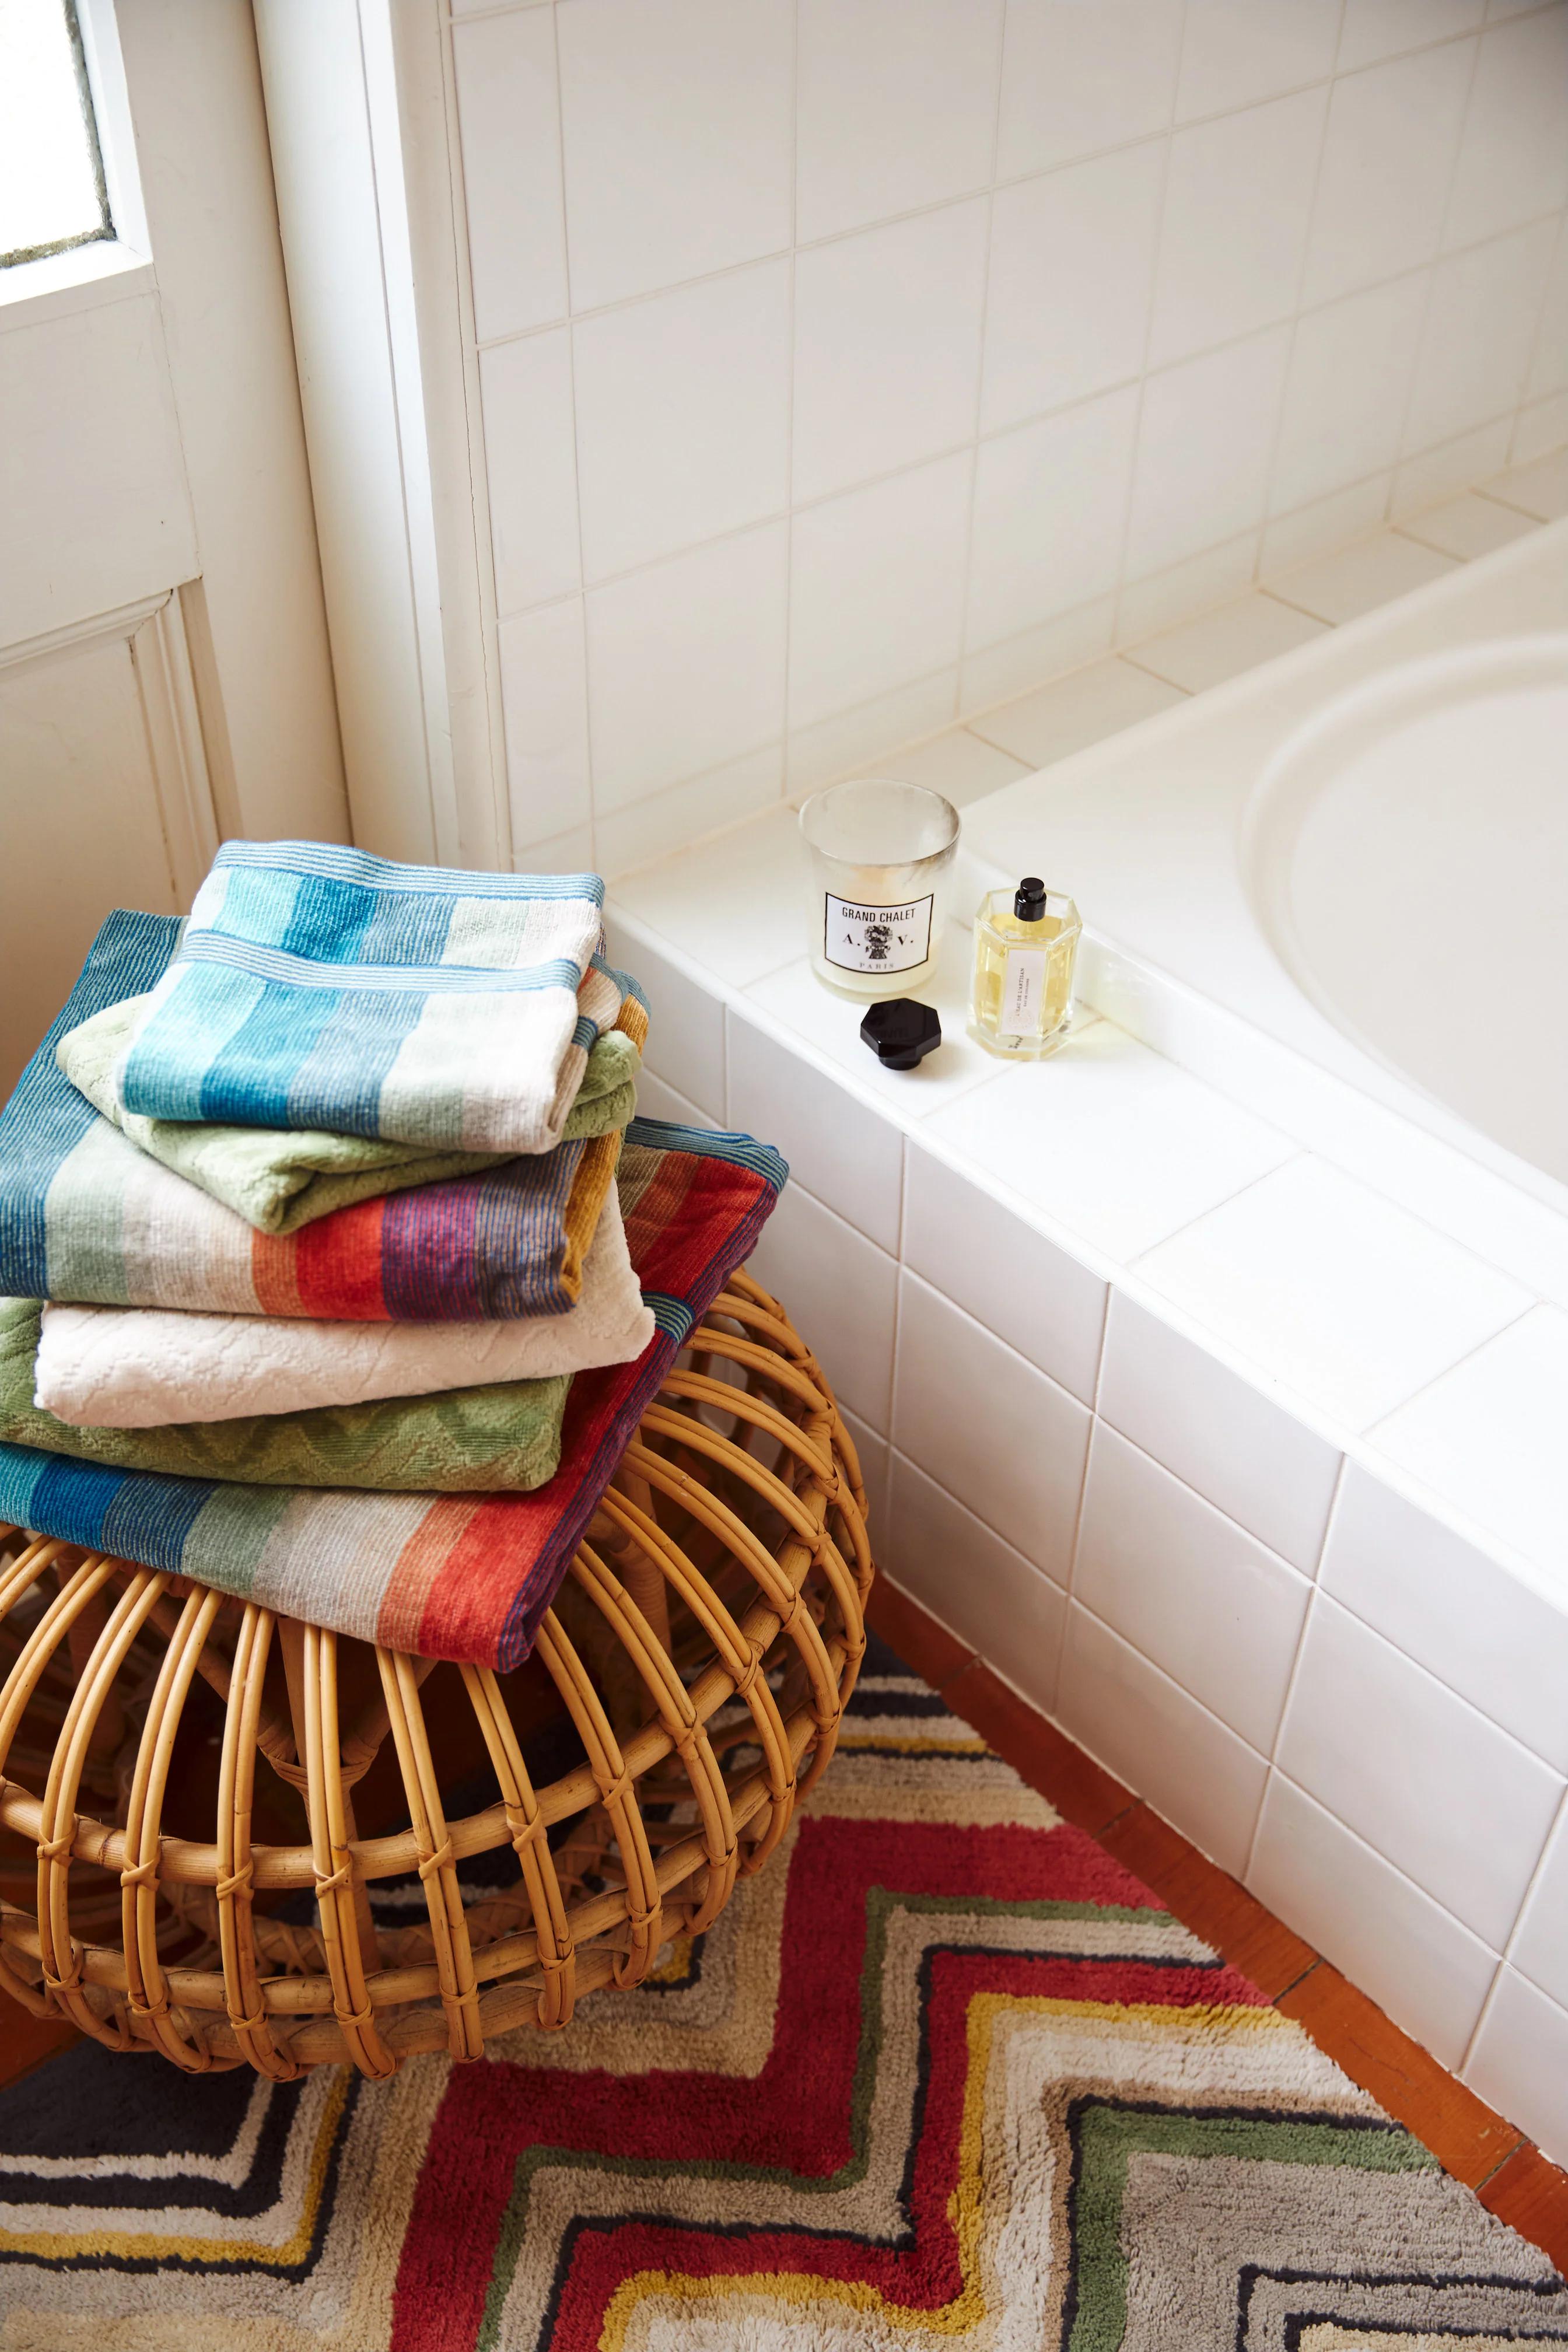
[(685, 1688)]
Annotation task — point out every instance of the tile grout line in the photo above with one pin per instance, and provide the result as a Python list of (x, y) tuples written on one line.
[(1436, 1379), (1314, 1586)]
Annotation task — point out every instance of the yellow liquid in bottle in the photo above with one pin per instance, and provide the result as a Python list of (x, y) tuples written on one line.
[(1021, 1002)]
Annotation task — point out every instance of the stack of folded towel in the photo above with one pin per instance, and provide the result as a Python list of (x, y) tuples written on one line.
[(339, 1270)]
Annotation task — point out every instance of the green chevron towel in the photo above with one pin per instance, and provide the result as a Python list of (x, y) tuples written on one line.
[(280, 1179), (462, 1441)]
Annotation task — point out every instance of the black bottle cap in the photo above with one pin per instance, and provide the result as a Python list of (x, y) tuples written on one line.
[(902, 1032), (1029, 903)]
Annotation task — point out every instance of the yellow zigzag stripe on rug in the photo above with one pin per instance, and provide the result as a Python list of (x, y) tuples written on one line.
[(57, 2247), (968, 2308)]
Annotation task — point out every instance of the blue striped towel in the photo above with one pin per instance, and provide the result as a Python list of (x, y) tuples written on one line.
[(322, 987)]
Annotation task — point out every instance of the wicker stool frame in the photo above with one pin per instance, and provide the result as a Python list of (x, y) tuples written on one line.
[(701, 1651)]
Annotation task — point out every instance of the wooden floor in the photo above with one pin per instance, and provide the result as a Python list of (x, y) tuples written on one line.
[(1510, 2175)]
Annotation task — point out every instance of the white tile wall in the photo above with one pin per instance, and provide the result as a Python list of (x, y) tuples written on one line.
[(1433, 1786), (1413, 1957), (1212, 1608), (1519, 2061), (874, 364), (990, 1595), (1015, 1456)]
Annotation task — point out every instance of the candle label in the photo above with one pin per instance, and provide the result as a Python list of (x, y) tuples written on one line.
[(877, 939)]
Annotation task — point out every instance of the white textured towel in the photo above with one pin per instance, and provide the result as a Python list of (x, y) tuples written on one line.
[(141, 1367)]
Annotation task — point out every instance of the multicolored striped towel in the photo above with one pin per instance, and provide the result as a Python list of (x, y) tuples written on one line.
[(464, 1577), (322, 987), (278, 1178), (85, 1217)]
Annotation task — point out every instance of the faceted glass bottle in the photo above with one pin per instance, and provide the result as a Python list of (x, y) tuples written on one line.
[(1026, 946)]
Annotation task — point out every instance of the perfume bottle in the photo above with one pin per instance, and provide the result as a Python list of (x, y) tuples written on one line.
[(1026, 944)]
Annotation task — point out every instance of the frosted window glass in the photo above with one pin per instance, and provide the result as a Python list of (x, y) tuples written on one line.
[(51, 182)]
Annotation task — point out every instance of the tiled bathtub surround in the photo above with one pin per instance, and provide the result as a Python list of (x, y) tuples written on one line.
[(1171, 1417), (1346, 1703), (845, 369)]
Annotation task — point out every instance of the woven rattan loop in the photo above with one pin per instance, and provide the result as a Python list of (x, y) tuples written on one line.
[(689, 1680)]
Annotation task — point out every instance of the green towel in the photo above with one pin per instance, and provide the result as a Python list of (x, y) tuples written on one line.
[(280, 1179), (461, 1440)]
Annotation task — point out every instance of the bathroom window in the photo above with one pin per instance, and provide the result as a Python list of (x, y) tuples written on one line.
[(52, 191)]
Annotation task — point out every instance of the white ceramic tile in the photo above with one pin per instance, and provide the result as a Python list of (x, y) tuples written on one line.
[(1006, 1441), (960, 764), (685, 665), (1438, 1791), (1541, 1946), (832, 1023), (657, 1101), (1520, 2063), (872, 1453), (886, 346), (1196, 584), (1467, 526), (1162, 1744), (1513, 157), (1077, 80), (1219, 645), (1542, 429), (677, 131), (1481, 332), (1453, 465), (1077, 711), (734, 905), (1238, 201), (1332, 1289), (1356, 580), (1549, 368), (686, 1023), (1235, 54), (982, 1590), (855, 742), (571, 852), (511, 133), (1345, 395), (531, 469), (544, 705), (1020, 1286), (647, 830), (1375, 29), (1540, 490), (1204, 443), (1388, 155), (1250, 1458), (842, 1289), (997, 673), (877, 587), (1324, 524), (1413, 1958), (1488, 1437), (897, 107), (1111, 1140), (683, 416), (1208, 1604), (1072, 263), (841, 1150), (1500, 1643), (1050, 503)]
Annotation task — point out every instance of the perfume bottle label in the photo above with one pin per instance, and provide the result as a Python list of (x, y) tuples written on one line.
[(1023, 992), (876, 938)]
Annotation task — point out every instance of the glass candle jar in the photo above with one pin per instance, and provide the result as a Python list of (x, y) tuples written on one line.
[(879, 853)]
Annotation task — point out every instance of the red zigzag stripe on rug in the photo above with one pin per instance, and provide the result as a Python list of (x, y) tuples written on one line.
[(795, 2117)]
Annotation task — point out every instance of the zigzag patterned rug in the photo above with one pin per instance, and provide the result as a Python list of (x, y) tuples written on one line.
[(944, 2074)]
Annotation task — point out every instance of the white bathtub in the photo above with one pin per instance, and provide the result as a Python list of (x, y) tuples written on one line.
[(1337, 888)]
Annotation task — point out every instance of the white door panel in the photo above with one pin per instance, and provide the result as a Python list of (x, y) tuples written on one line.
[(164, 673)]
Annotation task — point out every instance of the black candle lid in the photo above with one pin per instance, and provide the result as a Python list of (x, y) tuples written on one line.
[(902, 1032), (1029, 902)]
